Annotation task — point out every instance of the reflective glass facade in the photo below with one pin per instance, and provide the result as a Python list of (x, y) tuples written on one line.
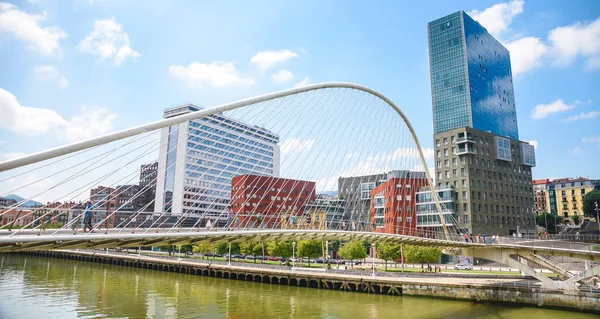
[(471, 79)]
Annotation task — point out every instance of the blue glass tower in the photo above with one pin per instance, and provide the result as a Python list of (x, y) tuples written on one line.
[(471, 78)]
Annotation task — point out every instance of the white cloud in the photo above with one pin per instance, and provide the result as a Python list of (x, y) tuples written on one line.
[(36, 121), (543, 110), (593, 139), (304, 82), (576, 151), (283, 76), (582, 116), (526, 54), (401, 158), (268, 59), (216, 74), (296, 145), (109, 41), (498, 17), (88, 123), (579, 39), (26, 27), (49, 73), (534, 143)]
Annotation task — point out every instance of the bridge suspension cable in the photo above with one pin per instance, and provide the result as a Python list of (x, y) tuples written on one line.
[(327, 156)]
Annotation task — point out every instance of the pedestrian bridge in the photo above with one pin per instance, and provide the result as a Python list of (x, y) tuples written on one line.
[(286, 164)]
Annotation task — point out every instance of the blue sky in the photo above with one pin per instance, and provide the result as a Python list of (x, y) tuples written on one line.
[(76, 69)]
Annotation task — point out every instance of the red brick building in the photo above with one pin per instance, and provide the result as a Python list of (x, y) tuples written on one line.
[(393, 203), (104, 198), (271, 197)]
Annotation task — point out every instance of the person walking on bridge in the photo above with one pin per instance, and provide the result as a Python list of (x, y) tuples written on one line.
[(88, 215)]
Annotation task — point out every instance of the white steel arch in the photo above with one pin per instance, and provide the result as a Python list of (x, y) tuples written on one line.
[(111, 137)]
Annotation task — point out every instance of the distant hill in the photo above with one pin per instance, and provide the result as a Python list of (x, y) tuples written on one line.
[(29, 203)]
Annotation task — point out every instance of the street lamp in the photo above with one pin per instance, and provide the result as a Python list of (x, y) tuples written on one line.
[(229, 258), (597, 219), (373, 257), (293, 254)]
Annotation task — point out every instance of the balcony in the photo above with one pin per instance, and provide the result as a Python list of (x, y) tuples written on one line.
[(465, 139), (465, 150)]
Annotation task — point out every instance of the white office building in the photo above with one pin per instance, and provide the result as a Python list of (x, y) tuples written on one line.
[(198, 159)]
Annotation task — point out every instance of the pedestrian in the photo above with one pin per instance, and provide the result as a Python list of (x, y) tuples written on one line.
[(208, 224), (484, 238), (514, 236), (466, 237), (520, 236), (577, 236), (353, 226), (258, 217), (293, 220), (546, 235), (88, 215)]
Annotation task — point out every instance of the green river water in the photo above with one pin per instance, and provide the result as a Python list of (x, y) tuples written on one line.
[(37, 287)]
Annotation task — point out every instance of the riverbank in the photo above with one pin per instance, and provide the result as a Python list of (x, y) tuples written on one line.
[(496, 289)]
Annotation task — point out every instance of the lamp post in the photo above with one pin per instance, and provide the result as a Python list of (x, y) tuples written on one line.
[(597, 219), (293, 254), (229, 258), (373, 257)]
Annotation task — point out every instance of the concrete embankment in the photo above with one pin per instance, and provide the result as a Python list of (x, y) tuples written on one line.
[(497, 289)]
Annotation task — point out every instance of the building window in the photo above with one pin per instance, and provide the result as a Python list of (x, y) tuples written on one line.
[(453, 140), (438, 153), (446, 163), (445, 141), (437, 143), (365, 190), (445, 152), (439, 164)]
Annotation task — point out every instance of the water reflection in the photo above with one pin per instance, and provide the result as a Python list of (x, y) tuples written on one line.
[(36, 287)]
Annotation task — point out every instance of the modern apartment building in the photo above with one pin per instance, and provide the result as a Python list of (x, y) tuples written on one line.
[(332, 207), (269, 197), (393, 205), (356, 193), (148, 178), (477, 151), (199, 158)]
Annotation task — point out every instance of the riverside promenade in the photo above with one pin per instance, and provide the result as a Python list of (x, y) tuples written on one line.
[(480, 288)]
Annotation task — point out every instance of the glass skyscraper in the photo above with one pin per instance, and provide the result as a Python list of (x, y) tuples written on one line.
[(471, 78), (478, 155)]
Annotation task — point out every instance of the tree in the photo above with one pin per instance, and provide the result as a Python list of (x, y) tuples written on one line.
[(421, 254), (221, 248), (335, 245), (353, 250), (203, 249), (388, 251), (551, 219), (310, 249), (589, 200), (282, 249), (575, 219), (166, 248), (251, 248)]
